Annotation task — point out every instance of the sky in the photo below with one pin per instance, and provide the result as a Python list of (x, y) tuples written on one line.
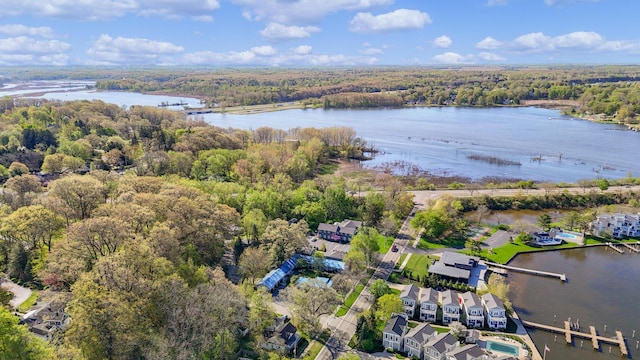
[(291, 33)]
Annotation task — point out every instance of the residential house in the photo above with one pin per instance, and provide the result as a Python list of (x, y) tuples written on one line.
[(618, 225), (394, 331), (495, 311), (45, 320), (467, 352), (341, 232), (450, 303), (409, 296), (428, 304), (473, 310), (281, 336), (454, 266), (417, 338), (438, 347)]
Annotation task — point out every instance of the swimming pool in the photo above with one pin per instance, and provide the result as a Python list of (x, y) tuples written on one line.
[(503, 348), (566, 235)]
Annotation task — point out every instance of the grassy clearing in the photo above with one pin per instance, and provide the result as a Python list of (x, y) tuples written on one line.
[(348, 302), (385, 243), (418, 265), (314, 350), (27, 304), (446, 243), (505, 253)]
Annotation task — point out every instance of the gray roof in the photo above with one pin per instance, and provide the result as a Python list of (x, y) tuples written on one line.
[(440, 268), (411, 292), (470, 299), (466, 352), (450, 258), (441, 342), (345, 227), (429, 295), (492, 302), (396, 325), (449, 297), (421, 333)]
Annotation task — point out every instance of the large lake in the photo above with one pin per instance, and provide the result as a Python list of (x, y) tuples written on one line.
[(602, 290), (441, 140)]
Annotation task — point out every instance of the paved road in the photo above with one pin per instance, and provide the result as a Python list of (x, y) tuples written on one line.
[(20, 293)]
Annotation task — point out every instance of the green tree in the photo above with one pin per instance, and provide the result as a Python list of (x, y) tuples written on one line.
[(379, 288), (387, 305), (544, 221), (16, 342), (366, 241), (309, 302)]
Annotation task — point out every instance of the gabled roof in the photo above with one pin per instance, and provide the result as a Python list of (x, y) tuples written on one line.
[(449, 297), (421, 333), (410, 292), (442, 342), (327, 227), (429, 295), (396, 325), (439, 268), (470, 300), (350, 224), (492, 302), (466, 352)]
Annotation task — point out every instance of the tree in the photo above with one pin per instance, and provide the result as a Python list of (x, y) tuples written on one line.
[(310, 301), (373, 208), (544, 221), (603, 184), (254, 263), (387, 305), (93, 238), (19, 266), (355, 261), (457, 329), (379, 288), (254, 223), (34, 225), (17, 169), (434, 223), (282, 239), (80, 194), (571, 219), (16, 342), (261, 311), (366, 241)]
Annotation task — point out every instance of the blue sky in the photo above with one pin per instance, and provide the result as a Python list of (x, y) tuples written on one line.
[(318, 32)]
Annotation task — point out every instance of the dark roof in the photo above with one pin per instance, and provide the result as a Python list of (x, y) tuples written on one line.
[(288, 334), (440, 268), (411, 292), (396, 325), (421, 333), (327, 227), (470, 299), (345, 227), (429, 295), (448, 297), (451, 258), (441, 342), (491, 301), (468, 351)]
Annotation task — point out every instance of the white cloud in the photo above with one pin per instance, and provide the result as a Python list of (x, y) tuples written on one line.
[(105, 9), (303, 50), (401, 19), (450, 58), (120, 50), (371, 51), (301, 11), (554, 2), (22, 30), (579, 39), (531, 41), (279, 32), (23, 50), (486, 56), (265, 50), (489, 43), (442, 42)]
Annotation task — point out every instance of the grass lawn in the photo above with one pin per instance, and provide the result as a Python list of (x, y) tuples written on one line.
[(446, 243), (348, 302), (504, 253), (440, 329), (395, 292), (400, 261), (317, 346), (27, 304), (418, 264), (385, 243)]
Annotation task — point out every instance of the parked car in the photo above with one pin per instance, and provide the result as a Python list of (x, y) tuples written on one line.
[(394, 248)]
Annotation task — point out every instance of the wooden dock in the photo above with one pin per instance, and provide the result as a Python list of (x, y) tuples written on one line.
[(562, 277), (632, 248), (592, 335), (615, 248)]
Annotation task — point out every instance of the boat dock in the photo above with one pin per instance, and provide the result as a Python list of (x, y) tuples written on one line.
[(630, 247), (615, 248), (562, 277), (592, 335)]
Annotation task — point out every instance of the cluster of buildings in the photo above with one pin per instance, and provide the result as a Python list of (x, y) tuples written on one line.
[(339, 232), (424, 343), (618, 225), (473, 310)]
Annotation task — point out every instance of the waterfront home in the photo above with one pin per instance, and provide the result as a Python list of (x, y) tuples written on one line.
[(454, 266), (449, 301), (409, 297), (281, 336), (495, 311), (467, 352), (472, 309), (417, 338), (394, 331), (618, 225), (438, 347), (341, 232), (428, 304), (546, 238)]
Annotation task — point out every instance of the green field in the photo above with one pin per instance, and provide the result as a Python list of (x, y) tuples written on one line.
[(348, 302), (418, 265)]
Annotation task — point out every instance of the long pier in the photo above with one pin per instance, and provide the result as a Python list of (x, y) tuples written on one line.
[(632, 248), (615, 248), (592, 335), (562, 277)]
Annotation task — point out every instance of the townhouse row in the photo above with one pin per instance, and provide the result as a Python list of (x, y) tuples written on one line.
[(475, 311)]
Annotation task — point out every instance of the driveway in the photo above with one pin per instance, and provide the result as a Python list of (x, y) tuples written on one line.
[(498, 239), (20, 293)]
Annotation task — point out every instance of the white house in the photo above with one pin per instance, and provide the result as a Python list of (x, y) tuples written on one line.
[(428, 304), (618, 225), (473, 311), (495, 311), (417, 338), (394, 331), (438, 347), (409, 297), (450, 306)]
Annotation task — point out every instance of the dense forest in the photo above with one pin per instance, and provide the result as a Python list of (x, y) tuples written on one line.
[(137, 213)]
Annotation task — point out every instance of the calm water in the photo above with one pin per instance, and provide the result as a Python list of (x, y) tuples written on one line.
[(602, 290), (441, 139)]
